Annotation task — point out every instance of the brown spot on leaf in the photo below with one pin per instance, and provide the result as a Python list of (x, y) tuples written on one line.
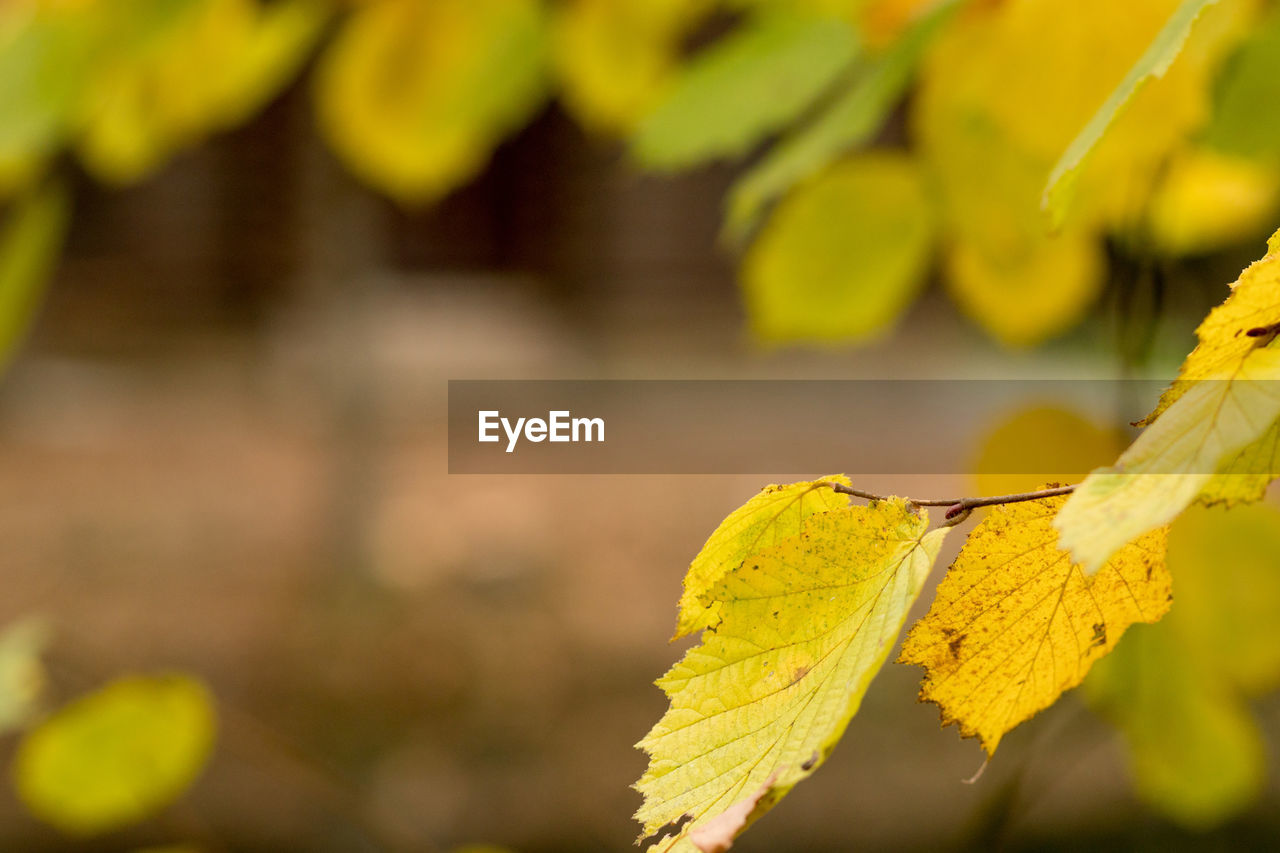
[(1099, 633), (810, 762), (801, 672)]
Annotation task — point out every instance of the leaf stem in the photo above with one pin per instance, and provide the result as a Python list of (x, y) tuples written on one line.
[(959, 508)]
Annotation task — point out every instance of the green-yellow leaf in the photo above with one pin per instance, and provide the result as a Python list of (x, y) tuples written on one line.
[(29, 246), (116, 756), (753, 82), (804, 626), (775, 514), (1215, 420), (1245, 477), (1015, 624), (1173, 461), (43, 61), (415, 96), (850, 120), (1246, 119), (1152, 64), (1225, 562), (844, 255)]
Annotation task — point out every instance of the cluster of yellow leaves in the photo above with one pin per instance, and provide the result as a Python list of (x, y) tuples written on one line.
[(1004, 89), (1002, 93), (127, 84), (1212, 437), (801, 597)]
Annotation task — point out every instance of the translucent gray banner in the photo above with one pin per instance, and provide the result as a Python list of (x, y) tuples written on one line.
[(780, 426)]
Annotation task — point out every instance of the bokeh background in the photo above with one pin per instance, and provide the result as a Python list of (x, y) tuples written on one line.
[(249, 243)]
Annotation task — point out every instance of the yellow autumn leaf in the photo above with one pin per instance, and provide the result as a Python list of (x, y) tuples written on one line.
[(1015, 623), (1223, 336), (775, 514), (1216, 419), (804, 626), (842, 256), (414, 95), (615, 58)]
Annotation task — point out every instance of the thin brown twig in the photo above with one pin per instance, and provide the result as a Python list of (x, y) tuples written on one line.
[(959, 508)]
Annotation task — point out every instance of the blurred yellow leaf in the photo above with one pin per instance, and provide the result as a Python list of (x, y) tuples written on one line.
[(1212, 419), (44, 60), (768, 518), (883, 21), (1021, 284), (1227, 566), (414, 95), (805, 624), (271, 53), (1177, 690), (29, 246), (1041, 444), (615, 58), (1041, 289), (1154, 63), (1194, 750), (22, 676), (1014, 623), (1002, 93), (1207, 200), (843, 255), (114, 757), (154, 92)]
